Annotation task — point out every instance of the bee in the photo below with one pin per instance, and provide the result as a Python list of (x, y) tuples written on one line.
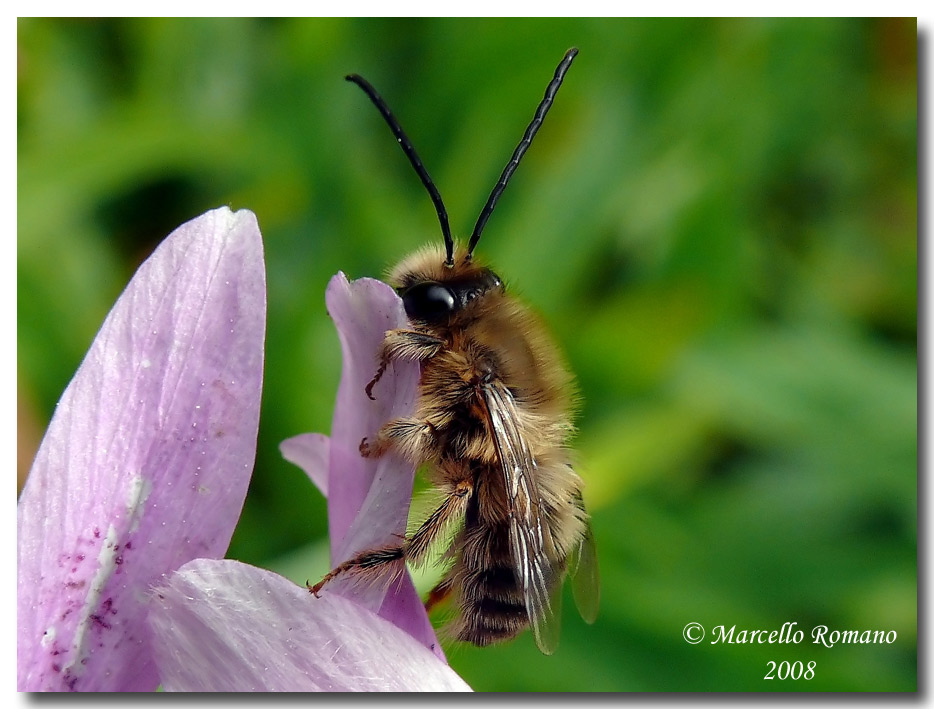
[(491, 424)]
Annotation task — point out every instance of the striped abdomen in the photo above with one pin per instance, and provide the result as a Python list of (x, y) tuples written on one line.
[(491, 602)]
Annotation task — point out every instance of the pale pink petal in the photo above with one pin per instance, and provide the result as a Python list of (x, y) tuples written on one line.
[(368, 499), (147, 459), (225, 626), (360, 514), (310, 452)]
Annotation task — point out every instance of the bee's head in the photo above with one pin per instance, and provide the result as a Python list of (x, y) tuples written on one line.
[(434, 293)]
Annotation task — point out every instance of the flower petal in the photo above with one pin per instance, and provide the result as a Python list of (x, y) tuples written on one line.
[(147, 459), (226, 626), (360, 514), (310, 452), (369, 499)]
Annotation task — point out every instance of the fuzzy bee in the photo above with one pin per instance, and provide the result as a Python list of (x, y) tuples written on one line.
[(491, 425)]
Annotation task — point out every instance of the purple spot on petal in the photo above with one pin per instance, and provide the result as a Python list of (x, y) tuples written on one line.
[(100, 622)]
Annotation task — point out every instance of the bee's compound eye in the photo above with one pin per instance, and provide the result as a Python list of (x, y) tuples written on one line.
[(428, 301)]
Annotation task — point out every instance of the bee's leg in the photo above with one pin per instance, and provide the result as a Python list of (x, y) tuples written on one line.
[(404, 344), (450, 511), (439, 592), (412, 438), (414, 548), (366, 560)]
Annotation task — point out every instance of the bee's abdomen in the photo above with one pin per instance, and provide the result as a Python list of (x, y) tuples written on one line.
[(492, 604)]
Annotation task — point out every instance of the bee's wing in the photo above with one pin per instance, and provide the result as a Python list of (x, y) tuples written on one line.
[(585, 578), (526, 533)]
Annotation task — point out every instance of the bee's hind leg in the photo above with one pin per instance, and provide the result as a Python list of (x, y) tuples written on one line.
[(440, 592), (373, 559), (414, 548)]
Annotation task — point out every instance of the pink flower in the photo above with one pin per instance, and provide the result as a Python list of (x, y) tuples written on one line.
[(222, 625), (368, 499), (141, 477), (227, 626), (146, 462)]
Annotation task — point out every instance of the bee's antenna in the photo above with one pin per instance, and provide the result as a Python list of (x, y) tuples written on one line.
[(522, 147), (410, 153)]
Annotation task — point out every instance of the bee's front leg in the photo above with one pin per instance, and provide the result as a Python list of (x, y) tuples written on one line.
[(404, 344)]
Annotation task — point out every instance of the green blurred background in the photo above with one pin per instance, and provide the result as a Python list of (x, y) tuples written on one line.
[(718, 221)]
